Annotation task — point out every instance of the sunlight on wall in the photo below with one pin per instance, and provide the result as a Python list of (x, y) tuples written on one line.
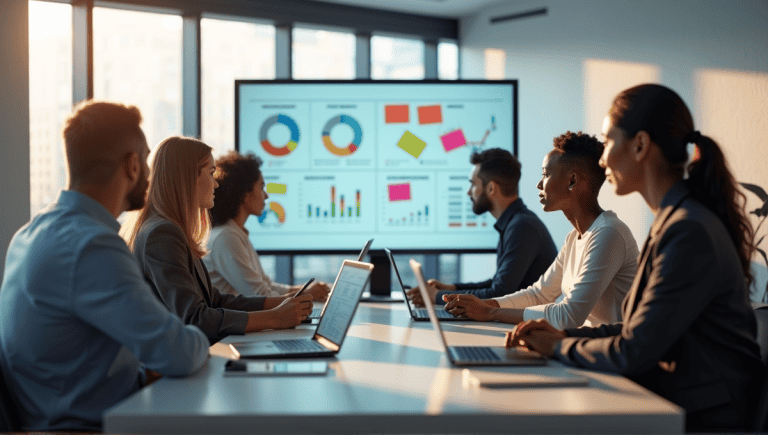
[(603, 80), (731, 108), (494, 64)]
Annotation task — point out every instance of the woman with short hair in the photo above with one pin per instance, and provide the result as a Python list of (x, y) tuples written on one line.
[(586, 283)]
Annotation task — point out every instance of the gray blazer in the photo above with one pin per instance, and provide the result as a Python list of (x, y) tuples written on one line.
[(688, 330), (182, 283)]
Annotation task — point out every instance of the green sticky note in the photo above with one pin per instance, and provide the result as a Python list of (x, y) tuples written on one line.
[(278, 188), (411, 144)]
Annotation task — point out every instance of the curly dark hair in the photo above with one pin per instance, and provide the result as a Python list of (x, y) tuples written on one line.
[(498, 165), (582, 150), (236, 174)]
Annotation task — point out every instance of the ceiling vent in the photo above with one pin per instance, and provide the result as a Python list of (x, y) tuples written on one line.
[(519, 15)]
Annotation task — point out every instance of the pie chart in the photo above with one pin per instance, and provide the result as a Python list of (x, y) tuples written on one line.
[(273, 216), (284, 149), (344, 150)]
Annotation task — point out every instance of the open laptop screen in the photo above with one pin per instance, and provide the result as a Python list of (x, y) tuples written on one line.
[(341, 306), (364, 251), (416, 267)]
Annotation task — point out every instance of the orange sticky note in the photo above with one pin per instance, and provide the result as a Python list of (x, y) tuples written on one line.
[(396, 114), (430, 114)]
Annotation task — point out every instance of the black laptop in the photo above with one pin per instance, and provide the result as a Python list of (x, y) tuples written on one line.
[(417, 314)]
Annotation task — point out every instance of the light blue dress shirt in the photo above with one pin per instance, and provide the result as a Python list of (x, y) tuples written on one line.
[(78, 323)]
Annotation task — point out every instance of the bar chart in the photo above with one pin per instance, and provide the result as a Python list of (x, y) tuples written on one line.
[(345, 208)]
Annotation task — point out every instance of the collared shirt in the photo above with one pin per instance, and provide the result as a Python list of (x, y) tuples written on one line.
[(524, 253), (234, 265), (77, 319)]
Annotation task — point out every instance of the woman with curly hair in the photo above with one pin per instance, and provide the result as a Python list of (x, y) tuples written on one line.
[(593, 271), (233, 262)]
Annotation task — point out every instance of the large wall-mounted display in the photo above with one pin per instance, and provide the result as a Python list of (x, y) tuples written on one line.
[(345, 161)]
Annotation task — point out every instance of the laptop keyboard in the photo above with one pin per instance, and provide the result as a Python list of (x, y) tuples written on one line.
[(441, 314), (475, 354), (298, 345), (316, 313)]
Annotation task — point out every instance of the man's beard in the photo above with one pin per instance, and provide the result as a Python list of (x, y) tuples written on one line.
[(482, 204), (137, 197)]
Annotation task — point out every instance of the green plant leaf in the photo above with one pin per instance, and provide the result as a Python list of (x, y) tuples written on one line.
[(757, 190)]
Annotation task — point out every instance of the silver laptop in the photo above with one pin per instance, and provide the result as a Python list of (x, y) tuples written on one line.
[(475, 355), (334, 321), (417, 314), (318, 311)]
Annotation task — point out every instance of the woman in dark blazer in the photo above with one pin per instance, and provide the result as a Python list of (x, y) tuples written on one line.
[(168, 237), (688, 330)]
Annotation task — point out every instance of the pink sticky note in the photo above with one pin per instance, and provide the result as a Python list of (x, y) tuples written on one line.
[(453, 140), (400, 192)]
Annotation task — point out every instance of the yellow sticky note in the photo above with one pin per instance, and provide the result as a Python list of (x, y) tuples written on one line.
[(277, 188)]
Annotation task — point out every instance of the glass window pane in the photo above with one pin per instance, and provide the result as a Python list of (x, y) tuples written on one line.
[(50, 98), (323, 54), (447, 61), (396, 58), (449, 268), (230, 50), (477, 267), (322, 267), (137, 61)]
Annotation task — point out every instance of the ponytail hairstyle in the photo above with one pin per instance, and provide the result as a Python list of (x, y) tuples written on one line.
[(172, 192), (661, 113)]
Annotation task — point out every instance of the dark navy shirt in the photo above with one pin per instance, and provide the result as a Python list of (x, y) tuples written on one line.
[(524, 253)]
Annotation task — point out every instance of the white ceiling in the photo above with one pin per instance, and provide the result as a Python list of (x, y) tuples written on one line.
[(435, 8)]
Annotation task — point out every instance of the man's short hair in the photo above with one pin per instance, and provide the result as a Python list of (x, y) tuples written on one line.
[(97, 136), (236, 175), (501, 166), (582, 151)]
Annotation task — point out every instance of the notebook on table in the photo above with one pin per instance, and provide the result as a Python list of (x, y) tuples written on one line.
[(474, 355), (334, 321), (317, 311), (420, 315)]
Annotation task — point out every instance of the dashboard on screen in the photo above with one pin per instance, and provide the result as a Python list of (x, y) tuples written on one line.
[(346, 161)]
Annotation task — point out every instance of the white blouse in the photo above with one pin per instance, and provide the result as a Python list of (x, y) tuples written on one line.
[(234, 265), (588, 280)]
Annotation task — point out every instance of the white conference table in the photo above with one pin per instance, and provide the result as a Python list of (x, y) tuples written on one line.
[(391, 376)]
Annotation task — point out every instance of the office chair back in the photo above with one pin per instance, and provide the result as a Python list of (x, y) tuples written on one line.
[(8, 415), (761, 416)]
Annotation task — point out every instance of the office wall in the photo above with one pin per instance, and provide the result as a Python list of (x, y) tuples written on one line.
[(572, 61), (14, 121)]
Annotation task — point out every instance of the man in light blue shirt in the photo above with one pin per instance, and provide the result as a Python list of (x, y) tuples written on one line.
[(79, 326)]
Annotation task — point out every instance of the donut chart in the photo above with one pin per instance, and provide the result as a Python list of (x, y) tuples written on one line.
[(283, 150), (352, 147), (275, 210)]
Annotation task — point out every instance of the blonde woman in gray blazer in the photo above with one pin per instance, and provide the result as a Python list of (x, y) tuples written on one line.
[(168, 238)]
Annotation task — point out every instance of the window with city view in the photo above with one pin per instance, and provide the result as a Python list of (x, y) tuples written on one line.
[(447, 61), (396, 58), (230, 50), (50, 98), (323, 54), (137, 61)]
